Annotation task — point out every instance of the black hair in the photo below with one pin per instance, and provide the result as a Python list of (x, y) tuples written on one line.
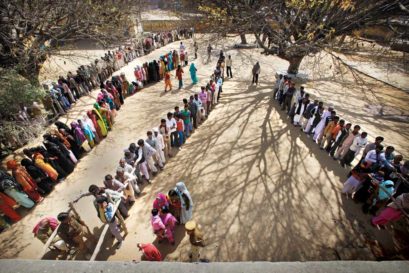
[(154, 212), (62, 216), (141, 142)]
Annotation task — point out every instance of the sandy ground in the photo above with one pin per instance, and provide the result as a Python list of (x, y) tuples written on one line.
[(262, 190)]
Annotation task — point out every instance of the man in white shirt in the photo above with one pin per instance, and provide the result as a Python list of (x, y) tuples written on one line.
[(171, 124), (129, 171), (228, 67), (377, 158), (153, 142), (160, 145), (358, 144), (146, 151)]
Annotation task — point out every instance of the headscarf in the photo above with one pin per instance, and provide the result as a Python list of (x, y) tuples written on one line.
[(79, 135), (160, 201), (181, 188), (61, 125), (53, 222), (7, 181), (11, 164), (192, 68)]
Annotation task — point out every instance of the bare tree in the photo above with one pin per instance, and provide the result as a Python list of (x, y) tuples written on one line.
[(292, 29), (30, 30)]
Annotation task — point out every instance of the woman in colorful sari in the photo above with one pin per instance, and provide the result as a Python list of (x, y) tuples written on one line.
[(193, 74), (66, 158), (39, 161), (25, 180), (175, 205), (114, 93), (86, 120), (61, 137), (79, 136), (170, 223), (87, 132), (102, 113), (10, 187), (43, 181), (98, 122), (160, 201), (7, 205), (75, 148), (107, 112), (162, 68), (175, 58), (186, 201)]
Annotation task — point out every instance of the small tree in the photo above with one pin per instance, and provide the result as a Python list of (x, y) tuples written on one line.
[(30, 30), (296, 28), (16, 91)]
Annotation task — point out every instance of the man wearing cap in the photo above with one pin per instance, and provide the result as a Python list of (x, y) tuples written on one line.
[(160, 147), (73, 230), (196, 239)]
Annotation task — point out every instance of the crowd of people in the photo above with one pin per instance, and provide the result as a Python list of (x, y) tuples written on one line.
[(35, 176), (63, 146), (379, 180)]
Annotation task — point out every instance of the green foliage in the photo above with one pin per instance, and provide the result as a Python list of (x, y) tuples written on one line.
[(15, 91)]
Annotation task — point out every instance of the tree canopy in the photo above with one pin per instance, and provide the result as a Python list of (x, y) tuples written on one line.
[(29, 30), (292, 29)]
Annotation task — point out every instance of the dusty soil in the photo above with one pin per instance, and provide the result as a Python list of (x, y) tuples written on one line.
[(262, 190)]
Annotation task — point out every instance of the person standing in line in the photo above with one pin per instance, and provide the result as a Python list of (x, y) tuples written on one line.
[(164, 130), (203, 98), (186, 202), (256, 71), (179, 74), (147, 152), (153, 141), (160, 148), (193, 111), (357, 145), (186, 116), (106, 214), (168, 82), (196, 240), (339, 139), (171, 124), (346, 143), (228, 67), (371, 146)]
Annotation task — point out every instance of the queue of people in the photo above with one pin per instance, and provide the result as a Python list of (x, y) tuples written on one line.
[(380, 178), (140, 162), (63, 146)]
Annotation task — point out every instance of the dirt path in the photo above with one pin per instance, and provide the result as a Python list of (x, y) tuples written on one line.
[(262, 190)]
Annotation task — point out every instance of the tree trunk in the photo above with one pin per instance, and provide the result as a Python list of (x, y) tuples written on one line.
[(31, 69), (295, 62), (243, 39)]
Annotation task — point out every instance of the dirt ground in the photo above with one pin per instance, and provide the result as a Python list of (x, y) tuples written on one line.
[(261, 189)]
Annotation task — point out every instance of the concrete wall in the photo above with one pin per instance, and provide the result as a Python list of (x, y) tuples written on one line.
[(31, 266)]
